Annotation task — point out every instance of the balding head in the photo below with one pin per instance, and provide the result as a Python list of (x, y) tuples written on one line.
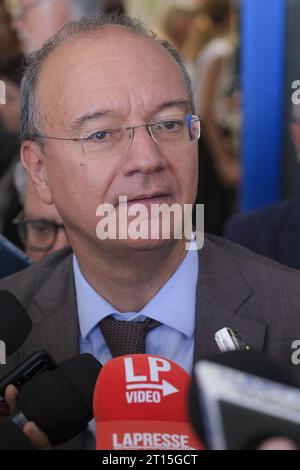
[(30, 115)]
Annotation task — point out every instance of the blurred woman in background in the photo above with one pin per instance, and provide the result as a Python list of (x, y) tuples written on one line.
[(211, 52)]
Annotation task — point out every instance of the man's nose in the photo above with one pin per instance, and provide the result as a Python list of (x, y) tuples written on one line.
[(144, 155)]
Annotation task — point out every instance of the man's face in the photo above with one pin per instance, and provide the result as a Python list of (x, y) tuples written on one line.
[(36, 21), (121, 79)]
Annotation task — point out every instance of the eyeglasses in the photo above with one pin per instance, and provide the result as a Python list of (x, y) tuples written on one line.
[(18, 12), (112, 141), (37, 234)]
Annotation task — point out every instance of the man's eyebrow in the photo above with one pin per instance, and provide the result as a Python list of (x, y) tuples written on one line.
[(185, 104), (88, 117), (76, 125)]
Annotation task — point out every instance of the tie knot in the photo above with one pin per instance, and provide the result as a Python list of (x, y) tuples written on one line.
[(126, 337)]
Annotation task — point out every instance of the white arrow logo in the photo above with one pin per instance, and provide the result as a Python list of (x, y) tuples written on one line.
[(166, 387)]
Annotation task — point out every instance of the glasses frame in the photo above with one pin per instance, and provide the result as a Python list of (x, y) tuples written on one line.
[(188, 118), (20, 221)]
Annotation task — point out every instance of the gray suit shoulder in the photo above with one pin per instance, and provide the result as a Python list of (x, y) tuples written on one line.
[(262, 274), (25, 283)]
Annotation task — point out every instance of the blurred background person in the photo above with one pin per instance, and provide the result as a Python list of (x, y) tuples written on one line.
[(36, 20), (274, 230), (9, 46), (40, 227), (176, 25), (212, 54), (10, 73)]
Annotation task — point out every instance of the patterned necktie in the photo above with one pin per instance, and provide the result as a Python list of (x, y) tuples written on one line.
[(126, 337)]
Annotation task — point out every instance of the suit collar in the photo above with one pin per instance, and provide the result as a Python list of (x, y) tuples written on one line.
[(55, 305), (221, 291), (55, 321)]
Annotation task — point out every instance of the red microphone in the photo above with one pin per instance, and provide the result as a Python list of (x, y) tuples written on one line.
[(140, 403)]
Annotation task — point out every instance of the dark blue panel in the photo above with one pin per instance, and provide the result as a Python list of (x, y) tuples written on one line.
[(263, 66)]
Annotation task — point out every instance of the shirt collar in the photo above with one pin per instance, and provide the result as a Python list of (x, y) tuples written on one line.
[(173, 305)]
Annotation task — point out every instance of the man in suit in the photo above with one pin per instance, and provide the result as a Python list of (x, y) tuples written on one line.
[(274, 230), (107, 111)]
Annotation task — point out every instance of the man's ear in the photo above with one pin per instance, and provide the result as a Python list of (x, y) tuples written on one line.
[(33, 160)]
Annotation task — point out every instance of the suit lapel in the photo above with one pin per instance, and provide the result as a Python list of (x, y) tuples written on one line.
[(54, 314), (57, 327), (221, 291), (287, 250)]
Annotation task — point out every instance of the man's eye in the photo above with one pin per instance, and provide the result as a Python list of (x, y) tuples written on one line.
[(105, 135), (171, 125), (40, 227), (99, 135)]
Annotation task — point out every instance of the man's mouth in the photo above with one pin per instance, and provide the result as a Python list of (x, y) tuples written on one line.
[(153, 198)]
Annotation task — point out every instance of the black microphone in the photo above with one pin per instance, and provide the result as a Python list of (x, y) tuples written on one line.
[(60, 401), (12, 437), (15, 324), (239, 399)]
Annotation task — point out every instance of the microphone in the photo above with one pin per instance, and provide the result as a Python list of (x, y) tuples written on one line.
[(15, 324), (239, 399), (140, 402), (12, 437), (60, 401)]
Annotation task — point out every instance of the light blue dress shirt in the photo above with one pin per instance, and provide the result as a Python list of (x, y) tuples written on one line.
[(173, 306)]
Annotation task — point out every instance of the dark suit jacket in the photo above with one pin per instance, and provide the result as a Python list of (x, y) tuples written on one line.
[(257, 297), (273, 231)]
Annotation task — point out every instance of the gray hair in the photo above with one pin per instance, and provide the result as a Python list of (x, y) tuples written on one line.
[(30, 113)]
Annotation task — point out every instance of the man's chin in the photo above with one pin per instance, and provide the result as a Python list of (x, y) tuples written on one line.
[(130, 245), (145, 244)]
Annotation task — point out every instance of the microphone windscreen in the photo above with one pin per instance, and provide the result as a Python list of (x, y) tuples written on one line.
[(255, 363), (60, 402), (250, 362), (140, 402), (15, 324), (12, 437)]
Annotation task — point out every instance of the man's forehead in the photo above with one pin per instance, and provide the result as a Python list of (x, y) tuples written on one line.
[(104, 61), (111, 43), (117, 51)]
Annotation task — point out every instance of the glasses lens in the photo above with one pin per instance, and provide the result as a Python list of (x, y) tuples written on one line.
[(177, 131), (113, 141), (106, 142), (193, 126), (38, 235), (21, 227)]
